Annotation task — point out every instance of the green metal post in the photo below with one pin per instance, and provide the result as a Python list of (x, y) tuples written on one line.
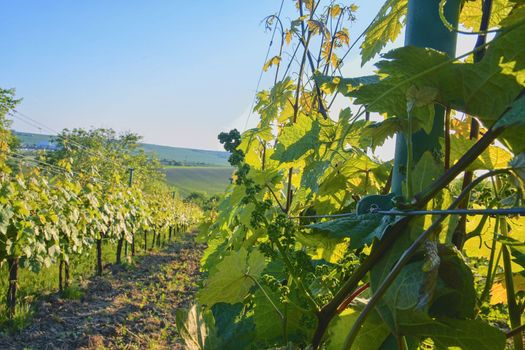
[(425, 29)]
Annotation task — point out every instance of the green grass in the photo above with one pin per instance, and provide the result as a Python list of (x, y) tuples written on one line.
[(211, 180), (21, 319), (73, 292)]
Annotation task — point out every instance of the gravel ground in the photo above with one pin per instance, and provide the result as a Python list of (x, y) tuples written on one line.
[(126, 308)]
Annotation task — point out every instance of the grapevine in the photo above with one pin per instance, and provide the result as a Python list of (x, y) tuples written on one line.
[(56, 207), (308, 250)]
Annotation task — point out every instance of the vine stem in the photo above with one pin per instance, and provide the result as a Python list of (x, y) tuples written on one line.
[(459, 236), (266, 295), (490, 268), (352, 296), (515, 331), (405, 257), (296, 104), (410, 155), (514, 309), (297, 280), (514, 312), (447, 138)]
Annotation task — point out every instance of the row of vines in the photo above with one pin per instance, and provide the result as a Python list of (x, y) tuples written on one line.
[(96, 188), (313, 248)]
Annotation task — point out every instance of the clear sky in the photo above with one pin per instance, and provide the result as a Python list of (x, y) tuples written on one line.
[(176, 72)]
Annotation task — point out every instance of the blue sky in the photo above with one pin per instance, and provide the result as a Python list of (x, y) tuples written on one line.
[(176, 72)]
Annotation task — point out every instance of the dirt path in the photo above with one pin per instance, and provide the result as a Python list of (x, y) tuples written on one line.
[(130, 308)]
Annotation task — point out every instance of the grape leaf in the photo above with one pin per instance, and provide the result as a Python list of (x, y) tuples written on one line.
[(379, 132), (514, 122), (312, 174), (195, 328), (370, 337), (471, 12), (517, 250), (344, 86), (269, 325), (485, 89), (401, 308), (230, 280), (361, 229), (455, 296), (323, 246), (297, 140), (233, 330), (493, 157), (383, 267), (465, 334), (272, 62), (385, 28), (426, 170), (518, 165)]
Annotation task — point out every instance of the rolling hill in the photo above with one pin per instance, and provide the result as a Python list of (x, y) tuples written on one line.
[(187, 156), (195, 170), (167, 154), (30, 139)]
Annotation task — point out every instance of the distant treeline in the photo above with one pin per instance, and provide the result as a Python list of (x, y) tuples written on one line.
[(177, 163), (40, 146)]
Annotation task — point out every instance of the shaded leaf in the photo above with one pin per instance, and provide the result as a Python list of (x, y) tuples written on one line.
[(361, 229), (194, 329), (465, 334), (370, 337), (233, 330)]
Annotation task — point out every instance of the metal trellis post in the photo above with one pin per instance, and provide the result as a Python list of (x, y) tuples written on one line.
[(425, 29)]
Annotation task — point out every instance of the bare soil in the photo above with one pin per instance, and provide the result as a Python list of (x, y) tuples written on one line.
[(129, 307)]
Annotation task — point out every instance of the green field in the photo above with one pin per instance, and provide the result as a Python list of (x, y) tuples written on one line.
[(187, 156), (211, 180)]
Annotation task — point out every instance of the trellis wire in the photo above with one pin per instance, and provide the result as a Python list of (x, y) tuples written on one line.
[(262, 69), (505, 211)]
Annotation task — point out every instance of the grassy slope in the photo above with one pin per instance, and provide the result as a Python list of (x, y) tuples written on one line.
[(211, 180), (32, 139), (188, 155)]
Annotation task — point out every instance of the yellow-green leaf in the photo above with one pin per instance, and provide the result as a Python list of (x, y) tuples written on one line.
[(232, 278)]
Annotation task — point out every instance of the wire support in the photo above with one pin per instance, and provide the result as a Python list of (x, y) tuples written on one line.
[(470, 212)]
